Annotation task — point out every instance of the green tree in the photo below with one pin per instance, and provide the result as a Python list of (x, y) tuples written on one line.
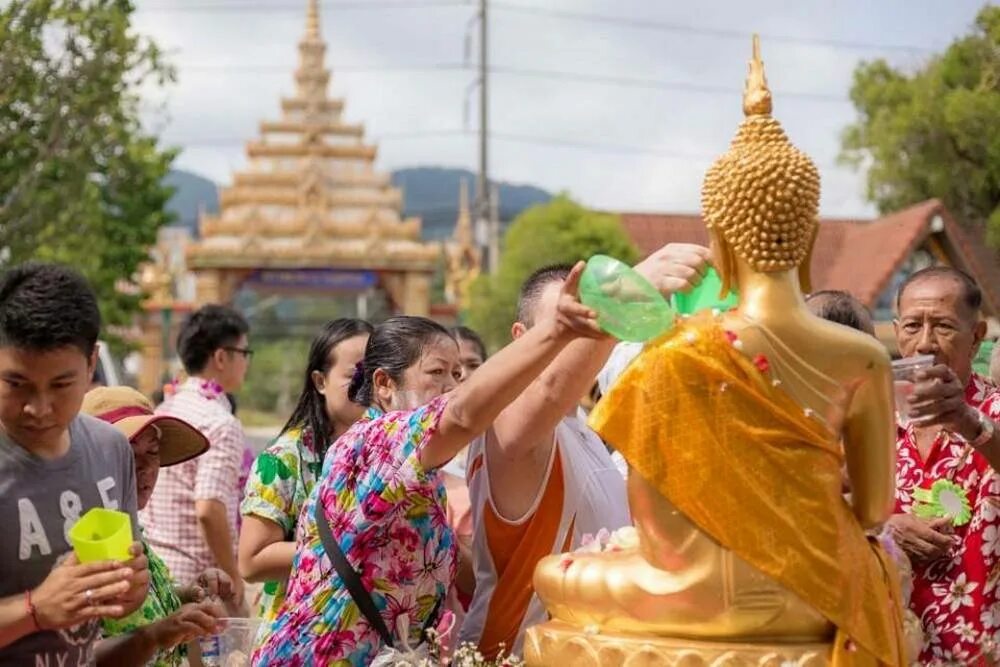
[(560, 231), (80, 181), (934, 133), (274, 380)]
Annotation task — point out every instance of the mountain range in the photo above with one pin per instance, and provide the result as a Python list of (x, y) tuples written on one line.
[(430, 193)]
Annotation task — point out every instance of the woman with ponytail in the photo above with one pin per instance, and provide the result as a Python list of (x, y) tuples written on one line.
[(284, 474), (374, 554)]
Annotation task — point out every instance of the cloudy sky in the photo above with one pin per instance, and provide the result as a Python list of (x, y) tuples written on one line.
[(622, 103)]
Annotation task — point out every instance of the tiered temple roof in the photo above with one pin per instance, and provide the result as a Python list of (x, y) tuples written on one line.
[(310, 196)]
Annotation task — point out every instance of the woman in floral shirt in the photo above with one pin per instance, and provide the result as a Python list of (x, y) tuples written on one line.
[(380, 489), (284, 474)]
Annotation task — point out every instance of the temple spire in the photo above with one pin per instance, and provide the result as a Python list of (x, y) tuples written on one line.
[(312, 77), (312, 20)]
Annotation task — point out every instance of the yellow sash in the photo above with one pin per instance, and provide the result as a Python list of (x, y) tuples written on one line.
[(745, 462)]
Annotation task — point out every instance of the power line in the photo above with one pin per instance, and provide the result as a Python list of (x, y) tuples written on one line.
[(659, 26), (288, 69), (513, 137), (603, 79), (242, 6), (271, 7), (655, 84)]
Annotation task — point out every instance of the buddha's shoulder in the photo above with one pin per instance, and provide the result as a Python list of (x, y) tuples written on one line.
[(845, 352)]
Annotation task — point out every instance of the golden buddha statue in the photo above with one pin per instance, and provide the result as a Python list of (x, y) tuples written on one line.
[(736, 427)]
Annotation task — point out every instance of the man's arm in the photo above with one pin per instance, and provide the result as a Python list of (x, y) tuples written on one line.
[(15, 620), (62, 601), (214, 524), (215, 482), (528, 422), (938, 400), (973, 429)]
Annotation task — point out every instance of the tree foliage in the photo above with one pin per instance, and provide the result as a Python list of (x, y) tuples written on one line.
[(560, 231), (80, 181), (934, 132)]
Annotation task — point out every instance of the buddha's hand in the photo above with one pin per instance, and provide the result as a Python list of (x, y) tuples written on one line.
[(676, 267), (923, 540), (572, 319)]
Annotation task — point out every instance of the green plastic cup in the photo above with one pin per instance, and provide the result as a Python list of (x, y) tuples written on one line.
[(705, 296), (102, 534), (628, 307)]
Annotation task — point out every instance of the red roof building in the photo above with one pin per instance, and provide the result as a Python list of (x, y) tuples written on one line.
[(868, 258)]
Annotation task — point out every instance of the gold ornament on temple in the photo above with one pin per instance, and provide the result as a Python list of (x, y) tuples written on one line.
[(762, 196)]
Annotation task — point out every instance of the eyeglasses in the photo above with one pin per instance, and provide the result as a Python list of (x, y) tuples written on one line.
[(245, 351)]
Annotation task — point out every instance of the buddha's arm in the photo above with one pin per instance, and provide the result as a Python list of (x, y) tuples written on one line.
[(869, 444)]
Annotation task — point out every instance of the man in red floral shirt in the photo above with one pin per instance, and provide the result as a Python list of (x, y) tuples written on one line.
[(950, 436)]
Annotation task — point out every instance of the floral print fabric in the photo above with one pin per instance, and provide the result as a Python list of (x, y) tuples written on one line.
[(160, 602), (277, 487), (388, 515), (956, 597)]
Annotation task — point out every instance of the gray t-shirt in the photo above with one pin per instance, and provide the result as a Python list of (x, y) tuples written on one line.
[(44, 499)]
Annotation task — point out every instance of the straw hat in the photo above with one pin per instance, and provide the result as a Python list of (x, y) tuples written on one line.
[(132, 413)]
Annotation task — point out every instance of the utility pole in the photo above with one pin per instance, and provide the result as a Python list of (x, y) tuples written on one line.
[(483, 183), (495, 227)]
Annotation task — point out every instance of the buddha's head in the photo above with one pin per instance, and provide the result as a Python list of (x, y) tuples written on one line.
[(760, 200)]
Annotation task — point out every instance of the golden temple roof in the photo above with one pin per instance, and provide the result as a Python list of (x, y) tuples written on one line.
[(310, 195)]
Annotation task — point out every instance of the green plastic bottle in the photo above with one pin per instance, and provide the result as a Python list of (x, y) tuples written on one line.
[(705, 296), (628, 307)]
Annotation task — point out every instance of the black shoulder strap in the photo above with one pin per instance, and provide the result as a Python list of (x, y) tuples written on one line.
[(350, 577)]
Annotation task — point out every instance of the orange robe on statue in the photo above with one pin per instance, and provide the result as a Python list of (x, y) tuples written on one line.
[(754, 471)]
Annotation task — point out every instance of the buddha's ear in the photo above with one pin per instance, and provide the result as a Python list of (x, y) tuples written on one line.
[(805, 275), (725, 264)]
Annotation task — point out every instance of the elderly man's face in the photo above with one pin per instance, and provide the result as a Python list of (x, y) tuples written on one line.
[(934, 319)]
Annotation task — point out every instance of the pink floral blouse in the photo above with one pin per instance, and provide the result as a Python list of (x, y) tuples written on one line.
[(388, 515)]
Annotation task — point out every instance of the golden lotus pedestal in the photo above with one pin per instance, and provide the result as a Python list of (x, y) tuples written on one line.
[(557, 644)]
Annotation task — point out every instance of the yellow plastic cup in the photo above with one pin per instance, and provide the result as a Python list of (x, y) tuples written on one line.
[(102, 534)]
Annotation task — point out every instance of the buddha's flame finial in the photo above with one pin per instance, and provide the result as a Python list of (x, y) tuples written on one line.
[(756, 96), (312, 20)]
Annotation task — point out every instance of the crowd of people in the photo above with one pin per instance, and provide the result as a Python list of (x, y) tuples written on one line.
[(416, 484)]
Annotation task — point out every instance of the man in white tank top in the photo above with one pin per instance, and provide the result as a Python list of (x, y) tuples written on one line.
[(540, 479)]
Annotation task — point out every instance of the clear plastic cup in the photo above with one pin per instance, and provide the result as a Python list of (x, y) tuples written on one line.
[(904, 382), (628, 307), (233, 646)]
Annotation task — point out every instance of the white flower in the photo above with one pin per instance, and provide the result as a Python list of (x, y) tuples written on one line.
[(989, 508), (960, 592), (991, 540), (965, 630), (626, 537), (990, 617)]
